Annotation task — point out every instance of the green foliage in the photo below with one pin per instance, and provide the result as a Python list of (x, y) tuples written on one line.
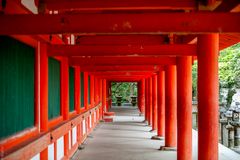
[(194, 80), (229, 70), (126, 90)]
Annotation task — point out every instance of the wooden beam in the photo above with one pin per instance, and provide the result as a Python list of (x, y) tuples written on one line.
[(99, 68), (158, 23), (121, 73), (122, 50), (91, 61), (122, 40), (88, 5)]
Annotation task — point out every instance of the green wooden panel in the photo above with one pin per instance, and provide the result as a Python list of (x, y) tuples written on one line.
[(16, 86), (82, 89), (54, 109), (89, 90), (71, 89)]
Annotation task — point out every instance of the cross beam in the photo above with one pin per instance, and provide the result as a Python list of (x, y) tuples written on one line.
[(121, 73), (122, 50), (152, 23), (151, 68), (119, 4), (93, 61)]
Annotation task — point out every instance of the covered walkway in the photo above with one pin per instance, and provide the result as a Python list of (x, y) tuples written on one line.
[(128, 138)]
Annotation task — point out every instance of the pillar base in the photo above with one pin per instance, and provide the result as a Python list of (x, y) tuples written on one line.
[(165, 148), (153, 130), (156, 137)]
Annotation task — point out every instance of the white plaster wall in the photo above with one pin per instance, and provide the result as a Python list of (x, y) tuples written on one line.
[(51, 151), (74, 135), (36, 157), (84, 126), (60, 148)]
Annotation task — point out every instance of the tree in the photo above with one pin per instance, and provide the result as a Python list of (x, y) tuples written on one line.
[(229, 71)]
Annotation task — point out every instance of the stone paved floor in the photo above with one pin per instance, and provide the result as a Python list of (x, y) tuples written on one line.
[(128, 138)]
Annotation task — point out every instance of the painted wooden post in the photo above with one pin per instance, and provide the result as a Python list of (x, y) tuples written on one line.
[(101, 98), (92, 87), (171, 109), (154, 102), (184, 108), (150, 101), (64, 69), (142, 96), (77, 90), (208, 47), (104, 88), (146, 100), (43, 93), (161, 104), (85, 90)]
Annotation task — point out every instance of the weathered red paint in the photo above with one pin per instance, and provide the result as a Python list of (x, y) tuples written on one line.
[(184, 108), (208, 47), (171, 107), (116, 23), (154, 102), (161, 103)]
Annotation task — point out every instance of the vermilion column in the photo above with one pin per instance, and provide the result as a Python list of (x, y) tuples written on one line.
[(150, 100), (139, 97), (143, 96), (92, 87), (154, 102), (146, 100), (65, 98), (43, 93), (207, 52), (184, 108), (101, 98), (161, 105), (107, 96), (77, 90), (85, 77), (171, 109), (104, 89)]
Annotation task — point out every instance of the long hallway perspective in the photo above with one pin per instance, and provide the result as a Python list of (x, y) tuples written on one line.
[(128, 137)]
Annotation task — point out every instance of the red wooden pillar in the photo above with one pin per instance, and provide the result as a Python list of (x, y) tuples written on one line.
[(77, 90), (101, 98), (150, 101), (43, 93), (184, 108), (146, 100), (171, 109), (107, 96), (208, 47), (92, 87), (104, 89), (142, 96), (161, 104), (154, 102), (139, 97), (85, 90), (65, 98)]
